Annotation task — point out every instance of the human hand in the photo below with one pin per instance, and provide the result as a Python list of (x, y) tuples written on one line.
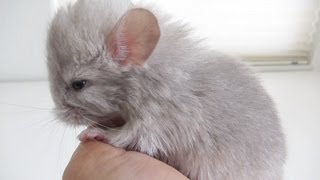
[(97, 161)]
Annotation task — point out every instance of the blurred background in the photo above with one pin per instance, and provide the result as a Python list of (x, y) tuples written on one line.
[(278, 38)]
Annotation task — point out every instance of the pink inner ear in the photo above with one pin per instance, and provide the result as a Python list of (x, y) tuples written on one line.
[(134, 37), (118, 45)]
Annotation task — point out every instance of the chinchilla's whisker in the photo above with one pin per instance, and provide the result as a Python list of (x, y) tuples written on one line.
[(95, 123), (25, 106), (61, 145), (74, 131), (31, 111), (53, 121), (34, 122), (53, 132), (44, 122), (27, 111), (99, 124)]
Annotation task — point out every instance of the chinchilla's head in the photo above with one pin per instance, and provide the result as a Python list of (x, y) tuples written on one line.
[(91, 47)]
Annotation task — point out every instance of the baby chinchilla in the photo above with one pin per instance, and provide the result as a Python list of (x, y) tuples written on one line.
[(140, 82)]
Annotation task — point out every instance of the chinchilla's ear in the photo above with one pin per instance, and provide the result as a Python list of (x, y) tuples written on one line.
[(134, 37)]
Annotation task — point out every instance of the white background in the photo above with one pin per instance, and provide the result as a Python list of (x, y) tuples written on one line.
[(23, 27), (35, 146)]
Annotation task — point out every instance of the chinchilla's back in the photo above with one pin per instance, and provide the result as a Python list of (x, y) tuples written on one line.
[(241, 132), (243, 120)]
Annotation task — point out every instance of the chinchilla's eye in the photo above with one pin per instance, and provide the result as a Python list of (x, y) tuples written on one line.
[(79, 84)]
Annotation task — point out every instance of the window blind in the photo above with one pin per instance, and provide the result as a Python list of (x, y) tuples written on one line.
[(263, 32)]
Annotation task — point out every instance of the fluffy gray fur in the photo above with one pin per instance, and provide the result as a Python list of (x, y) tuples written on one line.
[(198, 110)]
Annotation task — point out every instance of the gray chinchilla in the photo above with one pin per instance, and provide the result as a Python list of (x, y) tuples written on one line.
[(139, 81)]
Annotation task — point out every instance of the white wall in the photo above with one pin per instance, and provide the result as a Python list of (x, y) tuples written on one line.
[(23, 25)]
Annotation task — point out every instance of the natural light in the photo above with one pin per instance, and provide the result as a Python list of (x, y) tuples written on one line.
[(257, 29)]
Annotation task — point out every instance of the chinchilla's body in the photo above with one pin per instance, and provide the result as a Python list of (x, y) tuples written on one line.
[(198, 110)]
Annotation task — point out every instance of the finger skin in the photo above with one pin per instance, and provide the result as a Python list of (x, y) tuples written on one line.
[(98, 161)]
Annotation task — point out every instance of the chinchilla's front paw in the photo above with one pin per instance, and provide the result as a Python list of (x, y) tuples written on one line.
[(92, 133), (113, 137)]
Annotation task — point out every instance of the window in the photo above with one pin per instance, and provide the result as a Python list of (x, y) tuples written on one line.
[(263, 32)]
